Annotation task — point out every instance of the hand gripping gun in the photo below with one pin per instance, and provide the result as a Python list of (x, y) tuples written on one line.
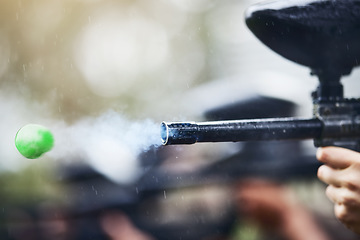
[(323, 35)]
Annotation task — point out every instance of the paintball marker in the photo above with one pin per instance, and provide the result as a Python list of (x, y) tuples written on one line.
[(323, 35)]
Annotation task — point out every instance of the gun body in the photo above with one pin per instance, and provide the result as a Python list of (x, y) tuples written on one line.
[(330, 48)]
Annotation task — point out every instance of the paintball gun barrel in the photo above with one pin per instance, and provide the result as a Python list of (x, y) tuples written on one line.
[(240, 130), (334, 124), (320, 34)]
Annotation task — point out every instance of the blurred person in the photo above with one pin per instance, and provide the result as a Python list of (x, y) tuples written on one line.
[(341, 171)]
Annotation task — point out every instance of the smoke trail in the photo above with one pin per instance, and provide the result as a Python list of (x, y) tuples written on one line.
[(110, 143)]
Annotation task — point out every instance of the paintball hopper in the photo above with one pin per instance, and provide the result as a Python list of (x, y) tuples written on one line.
[(322, 35)]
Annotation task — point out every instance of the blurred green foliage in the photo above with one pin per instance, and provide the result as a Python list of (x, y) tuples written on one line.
[(30, 187)]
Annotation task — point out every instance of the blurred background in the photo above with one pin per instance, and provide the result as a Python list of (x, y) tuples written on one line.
[(102, 75)]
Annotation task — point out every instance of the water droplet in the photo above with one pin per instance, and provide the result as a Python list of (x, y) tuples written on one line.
[(94, 190)]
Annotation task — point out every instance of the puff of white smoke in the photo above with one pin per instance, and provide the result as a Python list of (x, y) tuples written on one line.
[(110, 143)]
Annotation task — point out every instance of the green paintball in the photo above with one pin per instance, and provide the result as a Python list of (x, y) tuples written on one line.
[(33, 140)]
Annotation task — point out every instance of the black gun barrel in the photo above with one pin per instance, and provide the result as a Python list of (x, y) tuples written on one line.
[(240, 130)]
